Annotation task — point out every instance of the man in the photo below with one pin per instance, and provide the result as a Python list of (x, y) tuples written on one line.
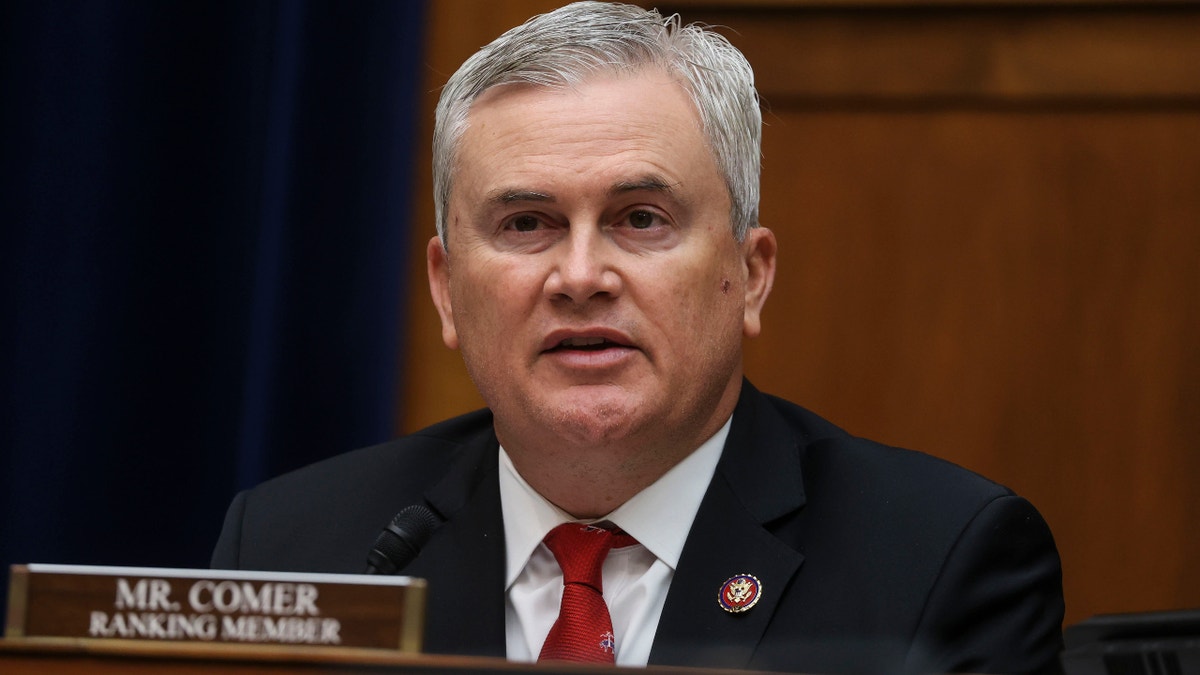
[(598, 263)]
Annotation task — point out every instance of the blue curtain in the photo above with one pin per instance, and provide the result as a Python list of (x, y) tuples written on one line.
[(203, 209)]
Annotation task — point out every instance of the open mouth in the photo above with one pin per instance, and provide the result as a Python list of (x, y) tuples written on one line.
[(587, 344)]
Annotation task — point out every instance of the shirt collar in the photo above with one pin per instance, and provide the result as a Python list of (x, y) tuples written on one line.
[(659, 517)]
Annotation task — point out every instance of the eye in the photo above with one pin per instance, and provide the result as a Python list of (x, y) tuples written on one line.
[(525, 223), (642, 220), (645, 227)]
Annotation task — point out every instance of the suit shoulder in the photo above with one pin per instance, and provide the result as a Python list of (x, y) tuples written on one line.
[(428, 449), (837, 458), (904, 546), (324, 516)]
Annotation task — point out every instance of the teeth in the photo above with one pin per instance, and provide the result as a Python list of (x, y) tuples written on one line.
[(581, 342)]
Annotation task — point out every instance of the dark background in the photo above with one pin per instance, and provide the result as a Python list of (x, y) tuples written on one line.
[(204, 211)]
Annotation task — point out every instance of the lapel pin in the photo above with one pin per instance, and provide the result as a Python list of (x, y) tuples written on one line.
[(739, 593)]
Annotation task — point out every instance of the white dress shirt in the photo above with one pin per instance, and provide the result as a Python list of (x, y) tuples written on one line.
[(636, 578)]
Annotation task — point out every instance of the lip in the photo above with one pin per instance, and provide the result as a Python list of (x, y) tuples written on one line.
[(615, 337)]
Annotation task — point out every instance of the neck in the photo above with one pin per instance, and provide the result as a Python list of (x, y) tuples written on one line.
[(591, 481), (590, 470), (585, 489)]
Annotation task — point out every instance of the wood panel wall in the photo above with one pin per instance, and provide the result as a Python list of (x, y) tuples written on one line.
[(989, 226)]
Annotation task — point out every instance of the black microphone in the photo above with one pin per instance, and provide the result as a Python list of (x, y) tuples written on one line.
[(401, 541)]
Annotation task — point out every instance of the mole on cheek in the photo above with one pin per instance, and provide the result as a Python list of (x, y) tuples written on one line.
[(725, 286)]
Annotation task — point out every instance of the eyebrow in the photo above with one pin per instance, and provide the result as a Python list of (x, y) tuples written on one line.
[(509, 195), (645, 184)]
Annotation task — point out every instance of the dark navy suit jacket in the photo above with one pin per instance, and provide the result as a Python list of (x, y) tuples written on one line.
[(870, 558)]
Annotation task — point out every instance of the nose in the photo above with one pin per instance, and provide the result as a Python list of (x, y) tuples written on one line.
[(584, 268)]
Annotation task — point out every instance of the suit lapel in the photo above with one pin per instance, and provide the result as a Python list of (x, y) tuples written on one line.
[(464, 560), (757, 481)]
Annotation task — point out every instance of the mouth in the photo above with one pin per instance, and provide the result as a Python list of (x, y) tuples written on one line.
[(582, 355), (586, 341), (585, 344)]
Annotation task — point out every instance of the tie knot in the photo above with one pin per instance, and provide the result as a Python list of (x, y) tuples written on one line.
[(581, 549)]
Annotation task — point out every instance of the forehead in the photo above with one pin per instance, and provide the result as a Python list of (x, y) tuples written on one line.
[(609, 122)]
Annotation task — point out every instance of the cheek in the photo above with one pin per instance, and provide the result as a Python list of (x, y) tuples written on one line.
[(721, 303), (488, 296), (700, 307)]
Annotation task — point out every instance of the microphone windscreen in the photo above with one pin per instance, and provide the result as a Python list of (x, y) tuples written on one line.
[(400, 542)]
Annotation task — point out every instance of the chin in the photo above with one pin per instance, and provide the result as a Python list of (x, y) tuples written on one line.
[(592, 423)]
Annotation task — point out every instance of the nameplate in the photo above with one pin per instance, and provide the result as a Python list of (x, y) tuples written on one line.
[(192, 605)]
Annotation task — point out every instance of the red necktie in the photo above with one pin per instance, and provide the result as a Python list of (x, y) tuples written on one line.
[(583, 631)]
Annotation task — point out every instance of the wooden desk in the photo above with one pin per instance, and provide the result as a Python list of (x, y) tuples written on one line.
[(67, 656)]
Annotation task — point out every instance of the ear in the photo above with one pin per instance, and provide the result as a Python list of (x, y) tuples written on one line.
[(437, 263), (759, 251)]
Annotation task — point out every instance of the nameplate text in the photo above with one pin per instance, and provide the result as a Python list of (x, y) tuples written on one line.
[(215, 606)]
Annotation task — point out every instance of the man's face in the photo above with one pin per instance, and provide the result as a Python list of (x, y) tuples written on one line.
[(592, 281)]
